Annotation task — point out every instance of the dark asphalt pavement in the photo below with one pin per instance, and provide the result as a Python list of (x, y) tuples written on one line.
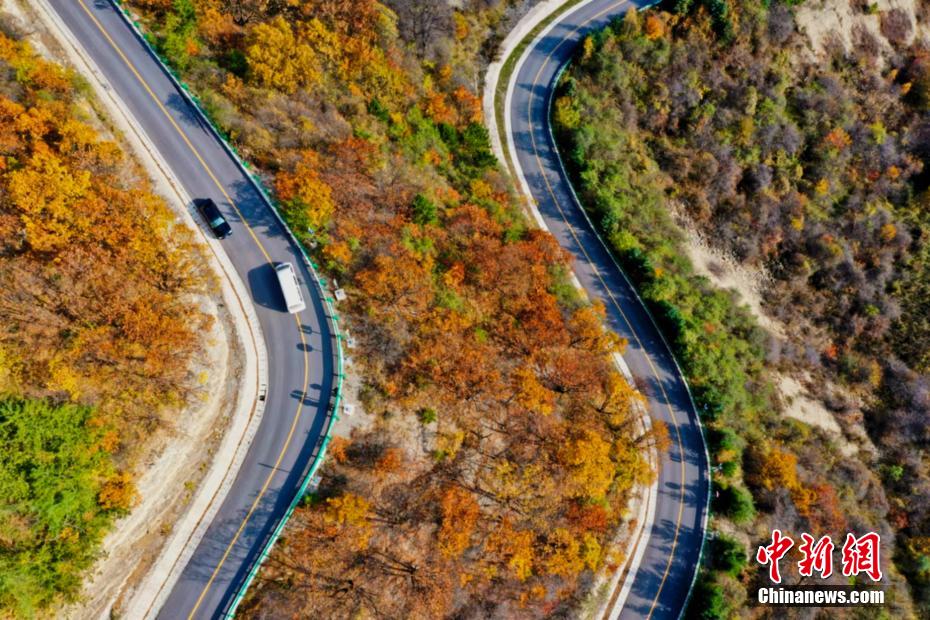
[(300, 347), (300, 352), (665, 574)]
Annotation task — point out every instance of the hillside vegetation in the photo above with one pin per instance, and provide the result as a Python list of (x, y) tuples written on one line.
[(713, 116), (504, 444), (96, 330)]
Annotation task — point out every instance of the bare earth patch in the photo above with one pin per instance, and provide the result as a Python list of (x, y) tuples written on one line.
[(749, 284), (801, 406), (725, 272), (850, 23), (352, 415), (174, 460)]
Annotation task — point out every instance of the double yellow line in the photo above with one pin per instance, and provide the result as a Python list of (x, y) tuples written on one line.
[(264, 252), (613, 300)]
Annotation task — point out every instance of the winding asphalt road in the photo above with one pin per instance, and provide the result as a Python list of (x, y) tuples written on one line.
[(301, 347), (664, 577)]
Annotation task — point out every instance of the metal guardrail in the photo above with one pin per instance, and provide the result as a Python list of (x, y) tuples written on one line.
[(263, 192), (332, 318), (496, 126), (672, 354)]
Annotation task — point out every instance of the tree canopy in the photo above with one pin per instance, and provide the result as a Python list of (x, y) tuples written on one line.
[(97, 329), (712, 118), (364, 118)]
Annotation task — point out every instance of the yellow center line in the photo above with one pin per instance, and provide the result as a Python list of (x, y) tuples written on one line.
[(681, 500), (303, 340), (258, 243), (261, 493), (174, 124)]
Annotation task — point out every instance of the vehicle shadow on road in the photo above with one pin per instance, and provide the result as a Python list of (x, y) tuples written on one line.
[(263, 284)]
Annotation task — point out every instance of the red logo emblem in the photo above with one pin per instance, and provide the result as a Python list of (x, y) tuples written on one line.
[(861, 555), (772, 553), (817, 556)]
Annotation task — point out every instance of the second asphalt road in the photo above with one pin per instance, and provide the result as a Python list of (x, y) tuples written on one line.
[(663, 580), (301, 347)]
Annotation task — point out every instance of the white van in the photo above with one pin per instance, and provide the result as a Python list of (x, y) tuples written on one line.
[(290, 288)]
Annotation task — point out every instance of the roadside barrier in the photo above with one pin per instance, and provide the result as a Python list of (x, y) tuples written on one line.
[(318, 281)]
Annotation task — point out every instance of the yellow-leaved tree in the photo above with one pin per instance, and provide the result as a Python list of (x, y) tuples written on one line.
[(590, 468), (307, 199), (277, 59), (44, 192)]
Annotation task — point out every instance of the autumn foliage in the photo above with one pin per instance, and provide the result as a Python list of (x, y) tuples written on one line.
[(97, 330), (811, 174), (93, 269), (505, 444)]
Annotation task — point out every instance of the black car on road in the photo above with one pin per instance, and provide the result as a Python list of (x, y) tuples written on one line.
[(215, 220)]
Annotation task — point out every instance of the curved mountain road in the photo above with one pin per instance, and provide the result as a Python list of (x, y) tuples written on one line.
[(665, 573), (301, 347)]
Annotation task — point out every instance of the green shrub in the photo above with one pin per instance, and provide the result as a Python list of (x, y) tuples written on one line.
[(53, 475), (734, 502), (428, 415), (180, 31), (708, 601), (424, 210), (377, 109), (727, 555)]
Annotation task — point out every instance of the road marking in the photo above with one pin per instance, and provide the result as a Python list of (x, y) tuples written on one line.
[(681, 500), (303, 339), (287, 442), (174, 124), (258, 243)]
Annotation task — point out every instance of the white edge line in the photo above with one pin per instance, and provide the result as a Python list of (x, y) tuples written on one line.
[(538, 217), (325, 302), (634, 559), (213, 495)]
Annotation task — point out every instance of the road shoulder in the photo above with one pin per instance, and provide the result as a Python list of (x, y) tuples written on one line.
[(610, 589), (188, 474)]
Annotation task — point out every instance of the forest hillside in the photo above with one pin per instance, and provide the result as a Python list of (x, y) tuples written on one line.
[(98, 327), (500, 445), (718, 116)]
